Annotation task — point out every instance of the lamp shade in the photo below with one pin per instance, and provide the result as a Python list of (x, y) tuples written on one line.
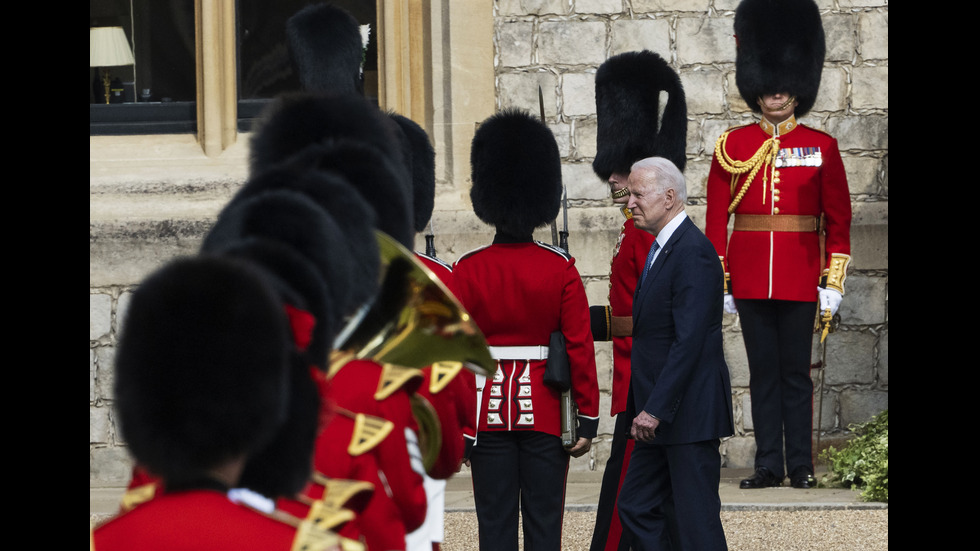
[(108, 47)]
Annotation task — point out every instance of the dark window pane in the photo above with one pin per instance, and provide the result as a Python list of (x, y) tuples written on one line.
[(264, 69), (159, 89), (161, 34), (165, 60)]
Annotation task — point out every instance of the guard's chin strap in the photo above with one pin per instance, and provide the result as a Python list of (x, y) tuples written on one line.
[(784, 105)]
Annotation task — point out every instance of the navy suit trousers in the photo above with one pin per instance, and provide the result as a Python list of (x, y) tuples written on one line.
[(687, 473)]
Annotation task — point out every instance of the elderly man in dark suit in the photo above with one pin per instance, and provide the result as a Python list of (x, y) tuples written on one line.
[(680, 382)]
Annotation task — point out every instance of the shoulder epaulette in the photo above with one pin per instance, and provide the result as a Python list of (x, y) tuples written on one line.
[(470, 253), (325, 516), (438, 261), (308, 537), (311, 538), (369, 431), (442, 373), (394, 377), (138, 495), (557, 250), (339, 492)]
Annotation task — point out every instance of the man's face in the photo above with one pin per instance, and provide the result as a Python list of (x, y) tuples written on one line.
[(778, 107), (649, 206), (618, 181)]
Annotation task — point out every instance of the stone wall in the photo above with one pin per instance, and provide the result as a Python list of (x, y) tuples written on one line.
[(159, 205), (560, 44)]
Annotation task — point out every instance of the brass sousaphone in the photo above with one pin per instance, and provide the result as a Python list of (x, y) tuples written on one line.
[(415, 321)]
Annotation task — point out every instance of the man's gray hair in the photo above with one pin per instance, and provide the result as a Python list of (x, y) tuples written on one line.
[(664, 174)]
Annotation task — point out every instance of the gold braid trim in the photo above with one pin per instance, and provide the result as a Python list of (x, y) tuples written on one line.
[(311, 538), (837, 271), (326, 517), (369, 431), (138, 495), (394, 377), (728, 278), (339, 493), (442, 373), (765, 155)]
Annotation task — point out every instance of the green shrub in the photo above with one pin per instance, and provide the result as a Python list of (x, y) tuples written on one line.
[(862, 464)]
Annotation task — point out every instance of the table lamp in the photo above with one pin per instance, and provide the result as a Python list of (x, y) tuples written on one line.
[(108, 47)]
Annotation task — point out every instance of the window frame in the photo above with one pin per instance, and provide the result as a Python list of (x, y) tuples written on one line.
[(404, 79)]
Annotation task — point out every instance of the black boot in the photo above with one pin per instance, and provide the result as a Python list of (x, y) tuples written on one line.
[(763, 478)]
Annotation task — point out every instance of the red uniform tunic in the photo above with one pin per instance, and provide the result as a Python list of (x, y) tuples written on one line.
[(807, 178), (353, 386), (627, 265), (518, 294), (346, 449), (203, 520), (453, 399)]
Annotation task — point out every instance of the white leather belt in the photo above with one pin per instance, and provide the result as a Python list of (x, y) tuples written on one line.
[(519, 352)]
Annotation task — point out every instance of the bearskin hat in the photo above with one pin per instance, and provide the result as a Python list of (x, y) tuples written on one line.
[(201, 367), (326, 49), (516, 173), (355, 217), (422, 159), (629, 127), (292, 218), (376, 178), (294, 121), (313, 316), (780, 47), (284, 465)]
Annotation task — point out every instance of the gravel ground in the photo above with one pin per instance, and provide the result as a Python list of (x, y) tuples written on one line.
[(809, 530)]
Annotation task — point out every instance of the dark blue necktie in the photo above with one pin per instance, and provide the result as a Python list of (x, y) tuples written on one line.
[(646, 269)]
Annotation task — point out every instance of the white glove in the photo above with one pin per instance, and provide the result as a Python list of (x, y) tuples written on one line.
[(829, 298), (730, 304)]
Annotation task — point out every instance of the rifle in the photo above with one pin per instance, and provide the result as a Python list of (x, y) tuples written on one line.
[(558, 372), (564, 210), (554, 225), (430, 245)]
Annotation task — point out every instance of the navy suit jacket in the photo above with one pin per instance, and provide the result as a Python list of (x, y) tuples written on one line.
[(679, 374)]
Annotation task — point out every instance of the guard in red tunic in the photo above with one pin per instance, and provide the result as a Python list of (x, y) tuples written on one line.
[(447, 387), (283, 466), (191, 327), (519, 292), (629, 128), (333, 131), (784, 182), (346, 461)]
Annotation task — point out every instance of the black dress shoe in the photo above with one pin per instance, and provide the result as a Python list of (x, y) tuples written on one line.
[(802, 478), (763, 478)]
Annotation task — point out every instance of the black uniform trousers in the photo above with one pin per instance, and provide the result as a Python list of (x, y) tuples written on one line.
[(778, 337), (519, 470)]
